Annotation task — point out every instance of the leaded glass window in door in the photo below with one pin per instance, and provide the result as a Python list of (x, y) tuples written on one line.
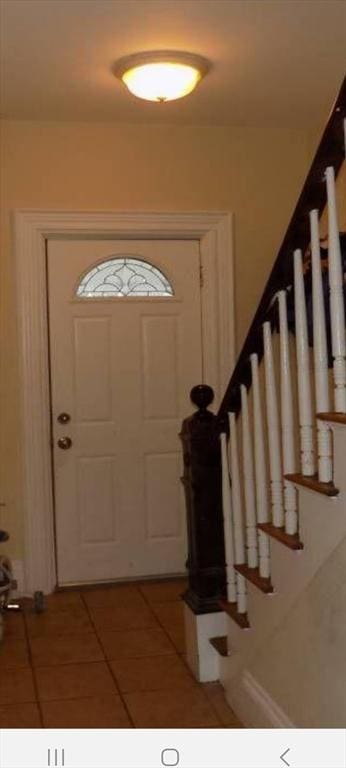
[(124, 276)]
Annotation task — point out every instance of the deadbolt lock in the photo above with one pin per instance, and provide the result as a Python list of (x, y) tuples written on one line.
[(64, 418)]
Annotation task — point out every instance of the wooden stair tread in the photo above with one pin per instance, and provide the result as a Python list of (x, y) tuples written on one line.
[(232, 610), (333, 417), (291, 541), (253, 575), (313, 484), (220, 644)]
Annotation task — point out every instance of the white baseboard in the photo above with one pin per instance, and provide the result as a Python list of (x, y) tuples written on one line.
[(254, 706)]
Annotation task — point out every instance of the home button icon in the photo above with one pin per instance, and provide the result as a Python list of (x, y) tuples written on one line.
[(170, 757)]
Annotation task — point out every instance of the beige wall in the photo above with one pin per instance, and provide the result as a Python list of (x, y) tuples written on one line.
[(312, 141), (257, 174), (303, 664)]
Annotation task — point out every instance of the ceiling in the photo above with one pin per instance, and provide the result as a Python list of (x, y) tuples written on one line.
[(277, 62)]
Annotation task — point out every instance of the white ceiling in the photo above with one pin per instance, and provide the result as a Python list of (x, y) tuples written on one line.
[(274, 61)]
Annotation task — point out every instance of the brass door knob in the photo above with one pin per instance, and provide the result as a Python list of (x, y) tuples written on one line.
[(64, 443)]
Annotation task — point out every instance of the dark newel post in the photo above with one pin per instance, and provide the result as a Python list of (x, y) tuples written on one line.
[(202, 483)]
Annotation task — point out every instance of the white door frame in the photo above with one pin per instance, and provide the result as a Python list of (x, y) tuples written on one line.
[(31, 231)]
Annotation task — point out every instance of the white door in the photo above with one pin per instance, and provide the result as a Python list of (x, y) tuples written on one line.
[(125, 348)]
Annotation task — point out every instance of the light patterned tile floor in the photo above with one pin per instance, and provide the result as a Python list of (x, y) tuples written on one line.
[(105, 657)]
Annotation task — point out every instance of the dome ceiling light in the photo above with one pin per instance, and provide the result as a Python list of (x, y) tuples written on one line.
[(161, 75)]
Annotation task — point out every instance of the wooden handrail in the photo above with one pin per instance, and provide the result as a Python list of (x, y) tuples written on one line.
[(330, 152)]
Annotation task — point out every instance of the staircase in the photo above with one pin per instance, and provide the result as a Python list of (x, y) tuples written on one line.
[(266, 605)]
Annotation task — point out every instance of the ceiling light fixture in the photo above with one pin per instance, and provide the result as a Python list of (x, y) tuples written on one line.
[(161, 75)]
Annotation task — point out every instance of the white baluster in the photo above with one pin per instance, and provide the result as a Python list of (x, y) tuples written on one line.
[(287, 422), (324, 443), (273, 430), (303, 366), (337, 310), (249, 485), (228, 523), (239, 546), (262, 503)]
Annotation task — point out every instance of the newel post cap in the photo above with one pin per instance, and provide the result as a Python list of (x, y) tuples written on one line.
[(202, 395)]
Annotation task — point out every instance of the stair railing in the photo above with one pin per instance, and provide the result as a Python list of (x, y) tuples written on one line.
[(292, 446)]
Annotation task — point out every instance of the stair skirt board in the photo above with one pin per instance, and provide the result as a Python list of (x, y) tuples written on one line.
[(254, 705)]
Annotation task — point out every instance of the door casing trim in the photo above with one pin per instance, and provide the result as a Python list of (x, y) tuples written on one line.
[(32, 228)]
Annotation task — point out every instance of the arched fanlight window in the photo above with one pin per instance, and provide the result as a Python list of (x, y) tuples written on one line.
[(124, 276)]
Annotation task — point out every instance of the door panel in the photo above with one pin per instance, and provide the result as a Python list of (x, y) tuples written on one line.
[(97, 490), (92, 353), (163, 495), (122, 368), (160, 333)]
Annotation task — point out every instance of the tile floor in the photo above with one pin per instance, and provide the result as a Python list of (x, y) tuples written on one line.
[(105, 657)]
